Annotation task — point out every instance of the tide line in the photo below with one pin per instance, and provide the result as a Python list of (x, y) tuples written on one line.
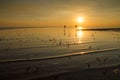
[(59, 56)]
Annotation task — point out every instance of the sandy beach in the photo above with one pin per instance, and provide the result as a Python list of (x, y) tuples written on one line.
[(98, 66), (106, 73)]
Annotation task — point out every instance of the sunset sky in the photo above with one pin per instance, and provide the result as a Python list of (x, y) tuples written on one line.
[(27, 13)]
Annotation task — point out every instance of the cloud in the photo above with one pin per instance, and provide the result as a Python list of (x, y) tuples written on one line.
[(57, 9), (53, 6)]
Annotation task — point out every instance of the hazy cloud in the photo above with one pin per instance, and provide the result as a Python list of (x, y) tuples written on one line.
[(48, 9)]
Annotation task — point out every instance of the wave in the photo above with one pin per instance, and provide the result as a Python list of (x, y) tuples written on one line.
[(69, 55)]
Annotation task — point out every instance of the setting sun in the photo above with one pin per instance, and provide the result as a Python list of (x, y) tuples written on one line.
[(80, 19)]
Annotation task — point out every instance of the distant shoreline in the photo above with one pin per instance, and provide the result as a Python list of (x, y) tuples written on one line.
[(92, 29), (6, 28), (103, 29)]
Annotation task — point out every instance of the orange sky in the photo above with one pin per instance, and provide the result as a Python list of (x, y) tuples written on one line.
[(97, 13)]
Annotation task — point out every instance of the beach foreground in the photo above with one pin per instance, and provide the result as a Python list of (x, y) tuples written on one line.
[(97, 66), (106, 73)]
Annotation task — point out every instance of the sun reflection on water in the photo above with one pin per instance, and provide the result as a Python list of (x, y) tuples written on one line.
[(79, 28), (79, 34)]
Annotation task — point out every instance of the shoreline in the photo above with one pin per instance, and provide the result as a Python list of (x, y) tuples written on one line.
[(74, 68), (60, 56)]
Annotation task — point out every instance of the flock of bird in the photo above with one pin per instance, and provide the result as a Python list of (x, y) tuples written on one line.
[(21, 41)]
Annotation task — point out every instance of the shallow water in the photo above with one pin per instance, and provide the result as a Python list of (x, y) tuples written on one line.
[(42, 42)]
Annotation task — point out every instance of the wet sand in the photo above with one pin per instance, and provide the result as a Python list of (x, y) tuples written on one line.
[(97, 66), (106, 73)]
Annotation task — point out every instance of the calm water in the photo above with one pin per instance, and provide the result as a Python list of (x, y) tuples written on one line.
[(54, 40)]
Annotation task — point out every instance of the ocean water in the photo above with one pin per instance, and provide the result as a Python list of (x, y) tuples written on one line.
[(45, 42)]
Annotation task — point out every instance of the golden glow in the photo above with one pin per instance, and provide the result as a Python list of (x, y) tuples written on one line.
[(79, 33), (79, 28), (80, 19)]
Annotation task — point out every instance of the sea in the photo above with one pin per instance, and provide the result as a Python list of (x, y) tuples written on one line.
[(47, 42)]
